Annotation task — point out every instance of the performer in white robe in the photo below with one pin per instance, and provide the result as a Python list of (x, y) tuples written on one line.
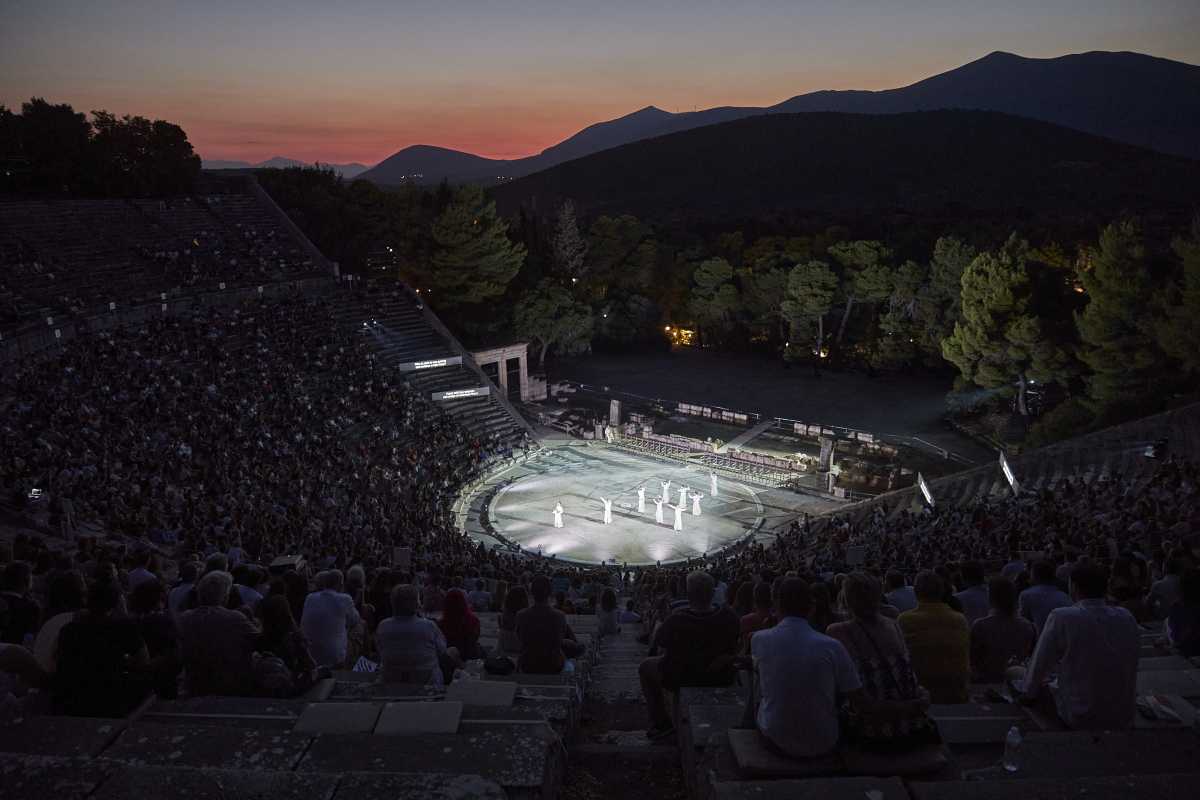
[(678, 517), (558, 512), (658, 512), (696, 504), (641, 499), (666, 490), (607, 510), (712, 482), (683, 493)]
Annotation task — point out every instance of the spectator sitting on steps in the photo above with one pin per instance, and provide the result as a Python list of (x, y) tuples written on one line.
[(699, 644), (547, 641), (1093, 648), (801, 677)]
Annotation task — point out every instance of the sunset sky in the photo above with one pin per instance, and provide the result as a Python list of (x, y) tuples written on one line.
[(357, 80)]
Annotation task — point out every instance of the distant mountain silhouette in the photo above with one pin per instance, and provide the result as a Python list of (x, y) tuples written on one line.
[(952, 162), (351, 170), (1130, 97)]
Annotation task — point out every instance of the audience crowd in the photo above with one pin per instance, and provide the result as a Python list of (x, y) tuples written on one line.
[(277, 505)]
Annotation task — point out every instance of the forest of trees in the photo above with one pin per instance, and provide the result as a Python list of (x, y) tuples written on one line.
[(53, 149), (1096, 325), (1070, 334)]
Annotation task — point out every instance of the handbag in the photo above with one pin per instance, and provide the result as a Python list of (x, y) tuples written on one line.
[(890, 735)]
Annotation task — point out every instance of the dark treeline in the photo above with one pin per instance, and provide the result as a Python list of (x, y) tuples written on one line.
[(53, 149), (1072, 320), (1072, 331)]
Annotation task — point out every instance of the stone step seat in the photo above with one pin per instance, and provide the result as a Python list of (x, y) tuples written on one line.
[(1185, 682), (61, 736), (525, 759), (1078, 754), (522, 757), (103, 779), (1180, 786), (812, 789), (1160, 663), (978, 723)]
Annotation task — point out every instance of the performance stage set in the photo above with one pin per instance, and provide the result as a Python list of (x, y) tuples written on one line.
[(520, 507)]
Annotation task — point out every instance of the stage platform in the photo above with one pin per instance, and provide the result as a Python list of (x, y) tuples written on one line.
[(520, 503)]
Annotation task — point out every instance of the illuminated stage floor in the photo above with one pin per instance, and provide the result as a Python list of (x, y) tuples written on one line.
[(577, 477)]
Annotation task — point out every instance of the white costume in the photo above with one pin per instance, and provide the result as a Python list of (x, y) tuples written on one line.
[(658, 512), (678, 517), (642, 500), (558, 512), (683, 493), (666, 489), (607, 509), (712, 482), (696, 504)]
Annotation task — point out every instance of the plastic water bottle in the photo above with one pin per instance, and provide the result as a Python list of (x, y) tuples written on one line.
[(1012, 750)]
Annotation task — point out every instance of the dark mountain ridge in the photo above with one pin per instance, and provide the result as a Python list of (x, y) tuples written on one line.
[(921, 163), (1138, 99)]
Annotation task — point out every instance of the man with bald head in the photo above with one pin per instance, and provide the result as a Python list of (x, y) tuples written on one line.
[(698, 644)]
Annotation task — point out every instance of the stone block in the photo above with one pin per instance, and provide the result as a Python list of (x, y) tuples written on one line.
[(977, 723), (1159, 787), (169, 783), (199, 746), (1160, 663), (1184, 682), (812, 789), (703, 721), (60, 736), (339, 718), (51, 777), (413, 719), (1070, 754), (482, 693), (756, 759), (518, 757), (405, 786), (922, 761)]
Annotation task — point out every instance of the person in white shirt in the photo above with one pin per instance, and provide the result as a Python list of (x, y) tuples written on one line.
[(797, 668), (1093, 649), (902, 597), (479, 598), (974, 598), (1036, 602), (328, 614), (411, 648)]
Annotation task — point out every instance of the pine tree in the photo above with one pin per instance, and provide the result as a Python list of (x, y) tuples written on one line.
[(473, 258), (938, 304), (897, 343), (714, 298), (1115, 329), (553, 318), (866, 277), (999, 343), (1179, 333), (570, 250), (810, 290)]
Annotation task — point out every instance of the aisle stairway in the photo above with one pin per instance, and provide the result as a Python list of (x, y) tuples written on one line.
[(612, 756)]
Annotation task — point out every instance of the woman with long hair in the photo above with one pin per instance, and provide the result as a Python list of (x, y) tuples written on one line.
[(460, 626), (283, 666), (607, 615), (894, 718), (516, 600)]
